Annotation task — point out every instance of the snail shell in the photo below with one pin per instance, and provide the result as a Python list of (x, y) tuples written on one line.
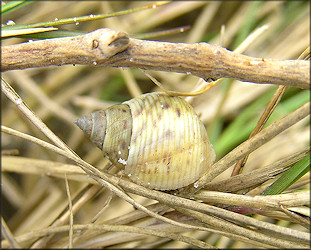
[(157, 139)]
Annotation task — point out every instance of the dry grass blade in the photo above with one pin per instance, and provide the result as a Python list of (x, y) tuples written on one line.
[(65, 217), (16, 99), (71, 214), (101, 178), (7, 33), (51, 198), (28, 85), (248, 181), (240, 233), (271, 202), (93, 172), (296, 217), (173, 201), (262, 121), (23, 165), (113, 228), (7, 234), (266, 114), (251, 144)]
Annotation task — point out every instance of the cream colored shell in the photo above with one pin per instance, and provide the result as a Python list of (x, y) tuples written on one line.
[(168, 144)]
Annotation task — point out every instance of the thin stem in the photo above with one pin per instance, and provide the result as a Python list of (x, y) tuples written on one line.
[(250, 145)]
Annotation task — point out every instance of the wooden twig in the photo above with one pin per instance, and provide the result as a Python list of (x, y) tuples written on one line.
[(88, 49), (106, 47)]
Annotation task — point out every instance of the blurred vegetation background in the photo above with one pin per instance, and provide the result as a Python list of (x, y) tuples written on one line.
[(33, 199)]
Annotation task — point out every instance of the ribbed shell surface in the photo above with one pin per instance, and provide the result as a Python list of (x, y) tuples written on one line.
[(169, 147)]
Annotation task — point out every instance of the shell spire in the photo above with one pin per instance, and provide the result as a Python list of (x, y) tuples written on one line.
[(94, 126), (110, 130), (85, 124)]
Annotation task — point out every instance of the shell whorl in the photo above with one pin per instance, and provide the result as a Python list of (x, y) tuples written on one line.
[(110, 130), (167, 144)]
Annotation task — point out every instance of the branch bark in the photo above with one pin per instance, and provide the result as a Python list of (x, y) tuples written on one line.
[(106, 47), (85, 49)]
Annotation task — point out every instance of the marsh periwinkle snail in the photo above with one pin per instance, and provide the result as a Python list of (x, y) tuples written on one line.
[(158, 140)]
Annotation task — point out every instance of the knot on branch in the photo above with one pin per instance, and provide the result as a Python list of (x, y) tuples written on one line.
[(106, 42)]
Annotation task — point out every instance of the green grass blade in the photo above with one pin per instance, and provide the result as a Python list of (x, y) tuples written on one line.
[(79, 19), (249, 23), (21, 32), (247, 119), (289, 177), (49, 34), (13, 5)]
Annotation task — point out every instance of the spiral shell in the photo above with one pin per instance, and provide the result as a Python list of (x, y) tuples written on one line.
[(157, 139)]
